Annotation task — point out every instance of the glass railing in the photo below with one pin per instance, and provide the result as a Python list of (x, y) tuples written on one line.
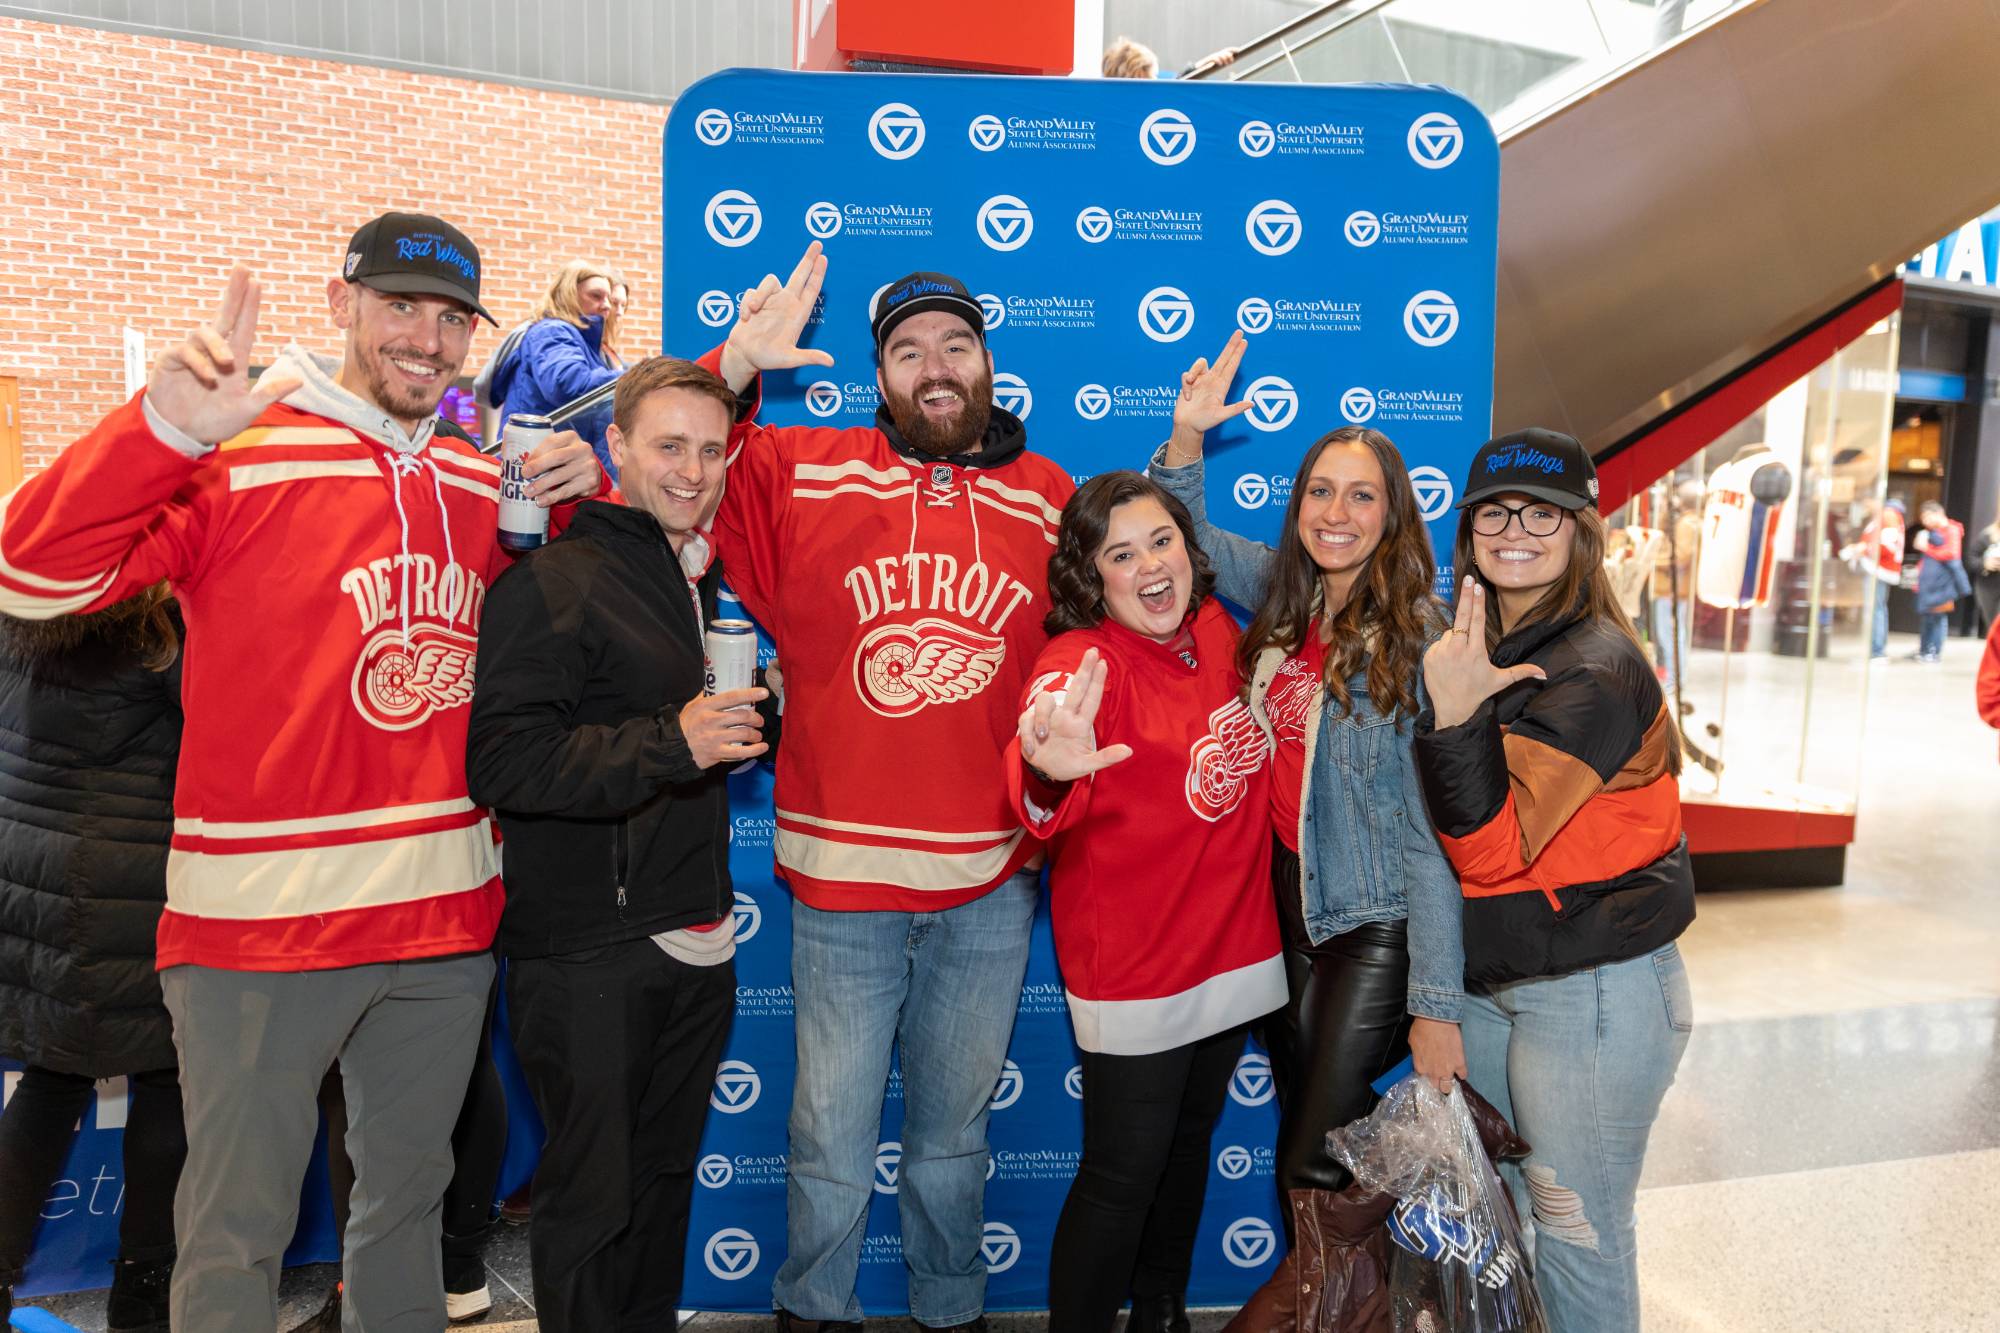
[(1514, 59)]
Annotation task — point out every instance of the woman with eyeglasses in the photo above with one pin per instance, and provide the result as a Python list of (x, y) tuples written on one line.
[(1550, 762), (1366, 900)]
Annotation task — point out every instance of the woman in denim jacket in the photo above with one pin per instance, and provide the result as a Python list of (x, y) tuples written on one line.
[(1367, 901)]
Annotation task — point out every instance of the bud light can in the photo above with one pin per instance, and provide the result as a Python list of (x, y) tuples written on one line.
[(732, 655), (524, 525)]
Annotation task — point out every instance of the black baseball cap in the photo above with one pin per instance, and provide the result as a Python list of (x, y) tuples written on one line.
[(415, 252), (920, 292), (1546, 464)]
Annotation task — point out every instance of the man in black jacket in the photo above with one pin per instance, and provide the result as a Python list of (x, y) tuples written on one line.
[(593, 742)]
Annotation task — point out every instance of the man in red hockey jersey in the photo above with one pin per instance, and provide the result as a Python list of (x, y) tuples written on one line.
[(903, 571), (331, 889)]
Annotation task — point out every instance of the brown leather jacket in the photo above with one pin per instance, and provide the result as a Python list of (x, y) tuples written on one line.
[(1336, 1278)]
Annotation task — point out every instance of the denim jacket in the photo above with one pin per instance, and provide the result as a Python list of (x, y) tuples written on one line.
[(1367, 851)]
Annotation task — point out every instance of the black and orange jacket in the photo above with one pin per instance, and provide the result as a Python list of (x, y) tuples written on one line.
[(1558, 808)]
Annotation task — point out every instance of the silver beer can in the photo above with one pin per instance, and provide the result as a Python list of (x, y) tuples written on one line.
[(731, 646), (524, 525)]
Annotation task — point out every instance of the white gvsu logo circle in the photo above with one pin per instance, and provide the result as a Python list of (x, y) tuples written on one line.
[(733, 219), (1007, 1090), (999, 1246), (713, 127), (888, 1166), (1357, 405), (1362, 228), (896, 130), (1233, 1162), (1430, 318), (715, 308), (823, 219), (1249, 1242), (1094, 224), (1273, 227), (1273, 403), (986, 133), (1253, 314), (823, 398), (714, 1171), (1435, 140), (1166, 314), (1005, 222), (1012, 394), (1167, 137), (749, 917), (1257, 138), (1433, 491), (1252, 492), (1251, 1084), (737, 1087), (993, 310), (1093, 402), (731, 1254)]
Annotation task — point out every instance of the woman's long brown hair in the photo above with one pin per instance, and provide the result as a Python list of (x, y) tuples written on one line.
[(142, 624), (1392, 612), (1583, 590)]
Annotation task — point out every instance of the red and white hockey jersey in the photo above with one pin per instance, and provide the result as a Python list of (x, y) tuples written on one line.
[(331, 570), (906, 599), (1160, 866)]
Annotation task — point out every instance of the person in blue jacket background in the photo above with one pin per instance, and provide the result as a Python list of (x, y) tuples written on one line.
[(561, 355)]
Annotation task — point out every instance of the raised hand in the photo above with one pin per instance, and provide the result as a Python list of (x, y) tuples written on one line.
[(1204, 399), (1459, 671), (769, 321), (202, 386), (1059, 740)]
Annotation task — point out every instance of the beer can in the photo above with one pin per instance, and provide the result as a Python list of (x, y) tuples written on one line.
[(524, 525), (731, 646)]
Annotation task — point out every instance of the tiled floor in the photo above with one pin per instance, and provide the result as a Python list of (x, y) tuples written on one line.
[(1830, 1155)]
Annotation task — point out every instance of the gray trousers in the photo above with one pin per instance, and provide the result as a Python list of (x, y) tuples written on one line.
[(253, 1048)]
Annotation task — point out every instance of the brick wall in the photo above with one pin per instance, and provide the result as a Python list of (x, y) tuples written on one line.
[(134, 170)]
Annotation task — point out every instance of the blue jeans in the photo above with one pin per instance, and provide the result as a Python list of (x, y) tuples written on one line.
[(1878, 636), (1931, 633), (942, 986), (1580, 1064)]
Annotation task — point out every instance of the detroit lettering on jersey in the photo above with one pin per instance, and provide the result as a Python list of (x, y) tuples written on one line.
[(900, 668), (400, 680)]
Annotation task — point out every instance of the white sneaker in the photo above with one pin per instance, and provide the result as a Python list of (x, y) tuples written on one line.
[(463, 1307)]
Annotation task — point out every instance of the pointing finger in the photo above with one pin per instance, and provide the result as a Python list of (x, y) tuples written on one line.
[(1476, 625), (1461, 614), (232, 298), (803, 269)]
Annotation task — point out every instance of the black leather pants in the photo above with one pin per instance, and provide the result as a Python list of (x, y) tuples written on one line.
[(1345, 1025)]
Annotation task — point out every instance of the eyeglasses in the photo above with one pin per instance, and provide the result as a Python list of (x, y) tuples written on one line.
[(1538, 519)]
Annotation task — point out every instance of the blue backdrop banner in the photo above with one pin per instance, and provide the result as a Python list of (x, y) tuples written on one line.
[(1114, 231)]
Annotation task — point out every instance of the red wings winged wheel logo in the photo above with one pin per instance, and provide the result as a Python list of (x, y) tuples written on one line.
[(398, 685), (899, 669), (1220, 762)]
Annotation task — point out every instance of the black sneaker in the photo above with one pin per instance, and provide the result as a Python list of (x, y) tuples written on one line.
[(328, 1318), (137, 1302), (467, 1298)]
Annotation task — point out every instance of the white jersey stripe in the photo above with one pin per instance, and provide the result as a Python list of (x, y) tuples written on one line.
[(256, 886), (1011, 512), (249, 476), (853, 468), (1026, 499), (890, 831), (483, 466), (482, 489), (855, 488), (352, 819), (852, 863), (1142, 1027)]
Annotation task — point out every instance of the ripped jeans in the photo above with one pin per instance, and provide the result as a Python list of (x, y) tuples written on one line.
[(1580, 1064)]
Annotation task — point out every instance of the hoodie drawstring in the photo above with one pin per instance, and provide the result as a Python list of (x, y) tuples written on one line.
[(400, 466)]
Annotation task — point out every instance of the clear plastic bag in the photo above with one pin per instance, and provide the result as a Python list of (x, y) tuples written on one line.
[(1459, 1264)]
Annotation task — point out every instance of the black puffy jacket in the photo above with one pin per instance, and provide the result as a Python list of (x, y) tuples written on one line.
[(88, 744)]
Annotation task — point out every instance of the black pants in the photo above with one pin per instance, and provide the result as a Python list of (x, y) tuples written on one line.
[(619, 1046), (478, 1149), (1129, 1222), (35, 1137), (1345, 1025)]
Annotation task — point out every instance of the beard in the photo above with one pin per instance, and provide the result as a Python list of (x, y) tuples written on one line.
[(401, 400), (958, 434)]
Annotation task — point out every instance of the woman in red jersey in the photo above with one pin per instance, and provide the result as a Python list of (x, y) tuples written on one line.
[(1139, 762)]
